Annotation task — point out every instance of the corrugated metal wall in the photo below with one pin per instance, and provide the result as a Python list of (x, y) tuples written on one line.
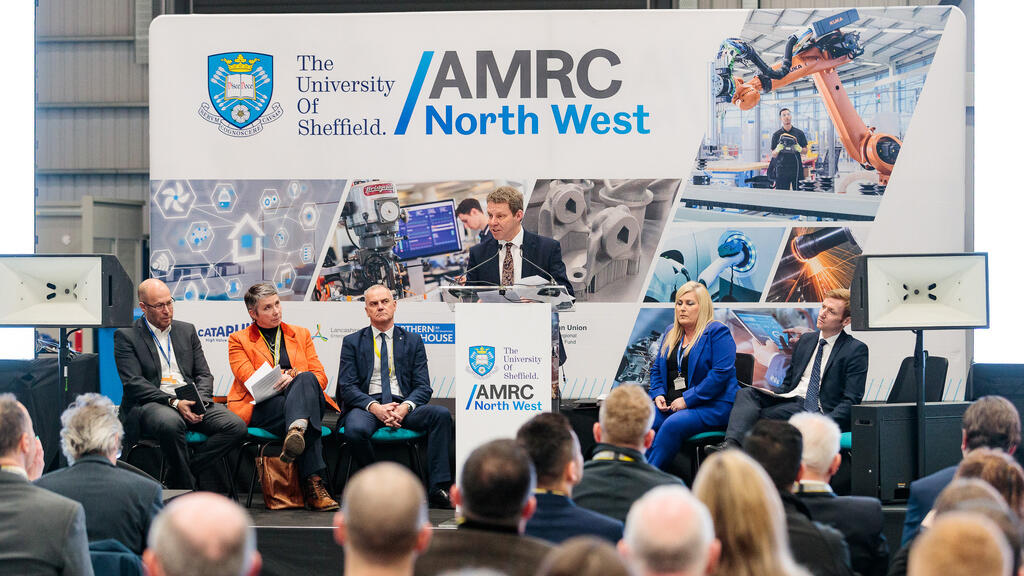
[(92, 95)]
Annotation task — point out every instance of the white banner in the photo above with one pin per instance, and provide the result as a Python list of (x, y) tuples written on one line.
[(502, 371)]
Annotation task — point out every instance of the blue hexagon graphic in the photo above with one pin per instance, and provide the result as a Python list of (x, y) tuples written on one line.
[(174, 198), (284, 278), (281, 238), (308, 216), (223, 198), (306, 253), (199, 236), (161, 262), (233, 288), (296, 189), (270, 200)]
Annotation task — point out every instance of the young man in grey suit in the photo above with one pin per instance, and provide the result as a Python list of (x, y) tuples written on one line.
[(40, 532), (383, 381), (118, 504), (154, 357)]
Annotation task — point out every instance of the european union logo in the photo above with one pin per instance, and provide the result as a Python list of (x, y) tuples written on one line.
[(240, 86), (481, 359)]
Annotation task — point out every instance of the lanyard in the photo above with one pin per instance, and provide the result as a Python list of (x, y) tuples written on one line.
[(166, 355), (275, 352), (391, 357), (610, 455)]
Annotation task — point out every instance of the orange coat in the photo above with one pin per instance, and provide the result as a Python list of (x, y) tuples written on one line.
[(247, 351)]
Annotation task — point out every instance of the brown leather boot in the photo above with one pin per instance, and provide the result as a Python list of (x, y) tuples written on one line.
[(294, 445), (317, 497)]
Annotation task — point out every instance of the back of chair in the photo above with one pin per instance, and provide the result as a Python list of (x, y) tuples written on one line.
[(745, 368), (904, 389), (111, 557)]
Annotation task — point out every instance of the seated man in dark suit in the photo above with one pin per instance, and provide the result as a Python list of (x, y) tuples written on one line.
[(40, 532), (777, 446), (118, 504), (989, 422), (826, 376), (619, 474), (155, 356), (495, 499), (859, 518), (383, 381), (555, 451), (511, 253)]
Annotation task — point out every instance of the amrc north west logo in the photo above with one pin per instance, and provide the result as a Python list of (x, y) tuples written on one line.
[(481, 359), (240, 86)]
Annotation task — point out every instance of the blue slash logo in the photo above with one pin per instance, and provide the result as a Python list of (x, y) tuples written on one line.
[(414, 92)]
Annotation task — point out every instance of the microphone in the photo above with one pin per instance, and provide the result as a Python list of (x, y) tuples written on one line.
[(480, 265)]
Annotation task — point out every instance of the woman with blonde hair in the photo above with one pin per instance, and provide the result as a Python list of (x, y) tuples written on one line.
[(693, 377), (748, 516)]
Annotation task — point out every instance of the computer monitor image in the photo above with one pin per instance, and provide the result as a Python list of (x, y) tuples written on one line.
[(430, 229)]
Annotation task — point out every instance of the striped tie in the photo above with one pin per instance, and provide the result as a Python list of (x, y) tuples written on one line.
[(811, 402)]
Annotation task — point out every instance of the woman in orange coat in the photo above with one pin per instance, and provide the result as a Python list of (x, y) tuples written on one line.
[(297, 409)]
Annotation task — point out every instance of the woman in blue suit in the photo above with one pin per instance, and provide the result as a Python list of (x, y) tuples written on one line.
[(693, 378)]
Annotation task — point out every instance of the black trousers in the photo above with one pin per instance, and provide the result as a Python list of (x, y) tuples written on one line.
[(223, 427), (301, 400), (436, 421), (751, 406)]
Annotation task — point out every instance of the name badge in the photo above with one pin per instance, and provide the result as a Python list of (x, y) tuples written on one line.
[(679, 383), (168, 381)]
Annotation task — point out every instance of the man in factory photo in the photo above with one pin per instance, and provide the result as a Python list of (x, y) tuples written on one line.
[(788, 146)]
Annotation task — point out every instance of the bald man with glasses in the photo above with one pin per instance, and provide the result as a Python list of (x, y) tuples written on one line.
[(154, 357)]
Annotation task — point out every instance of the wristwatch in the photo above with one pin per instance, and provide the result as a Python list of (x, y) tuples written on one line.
[(174, 403)]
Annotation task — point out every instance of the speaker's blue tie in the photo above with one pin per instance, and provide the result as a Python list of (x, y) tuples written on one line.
[(385, 371), (811, 403)]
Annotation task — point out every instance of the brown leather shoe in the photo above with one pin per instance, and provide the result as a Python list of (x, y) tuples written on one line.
[(294, 445), (317, 497)]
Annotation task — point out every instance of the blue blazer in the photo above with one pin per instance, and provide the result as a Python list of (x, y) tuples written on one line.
[(710, 369), (540, 250), (357, 364), (923, 493)]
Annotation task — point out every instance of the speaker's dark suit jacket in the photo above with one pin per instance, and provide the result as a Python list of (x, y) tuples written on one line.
[(357, 364), (138, 365), (118, 504), (40, 532), (923, 493), (842, 377), (861, 521), (537, 251)]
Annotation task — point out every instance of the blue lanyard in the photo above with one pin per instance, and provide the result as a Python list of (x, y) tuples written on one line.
[(167, 354)]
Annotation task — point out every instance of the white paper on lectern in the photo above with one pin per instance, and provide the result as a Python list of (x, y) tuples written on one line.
[(261, 383)]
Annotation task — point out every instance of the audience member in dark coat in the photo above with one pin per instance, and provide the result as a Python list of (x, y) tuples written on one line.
[(495, 499), (989, 422), (859, 518), (118, 504), (41, 533), (555, 452), (618, 474), (777, 446)]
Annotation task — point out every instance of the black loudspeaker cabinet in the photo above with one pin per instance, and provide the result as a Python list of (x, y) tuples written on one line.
[(885, 446)]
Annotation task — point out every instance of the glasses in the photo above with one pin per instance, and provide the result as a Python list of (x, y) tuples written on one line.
[(161, 306)]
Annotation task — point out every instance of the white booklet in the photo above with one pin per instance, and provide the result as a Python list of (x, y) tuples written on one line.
[(261, 383)]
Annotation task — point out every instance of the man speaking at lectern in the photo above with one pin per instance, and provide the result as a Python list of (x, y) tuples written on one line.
[(511, 253)]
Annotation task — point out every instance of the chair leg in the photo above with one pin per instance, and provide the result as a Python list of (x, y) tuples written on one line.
[(232, 492), (414, 460), (337, 465)]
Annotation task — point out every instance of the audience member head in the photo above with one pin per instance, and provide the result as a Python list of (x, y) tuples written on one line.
[(669, 531), (383, 520), (776, 445), (960, 544), (820, 435), (90, 426), (497, 485), (625, 418), (202, 534), (998, 469), (991, 422), (977, 496), (584, 556), (693, 312), (554, 450), (18, 443), (156, 302), (748, 516)]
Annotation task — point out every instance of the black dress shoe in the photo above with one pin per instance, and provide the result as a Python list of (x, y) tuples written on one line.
[(439, 498), (723, 445)]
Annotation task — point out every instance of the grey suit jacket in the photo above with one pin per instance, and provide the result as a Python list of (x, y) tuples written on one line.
[(118, 504), (40, 532), (138, 365)]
